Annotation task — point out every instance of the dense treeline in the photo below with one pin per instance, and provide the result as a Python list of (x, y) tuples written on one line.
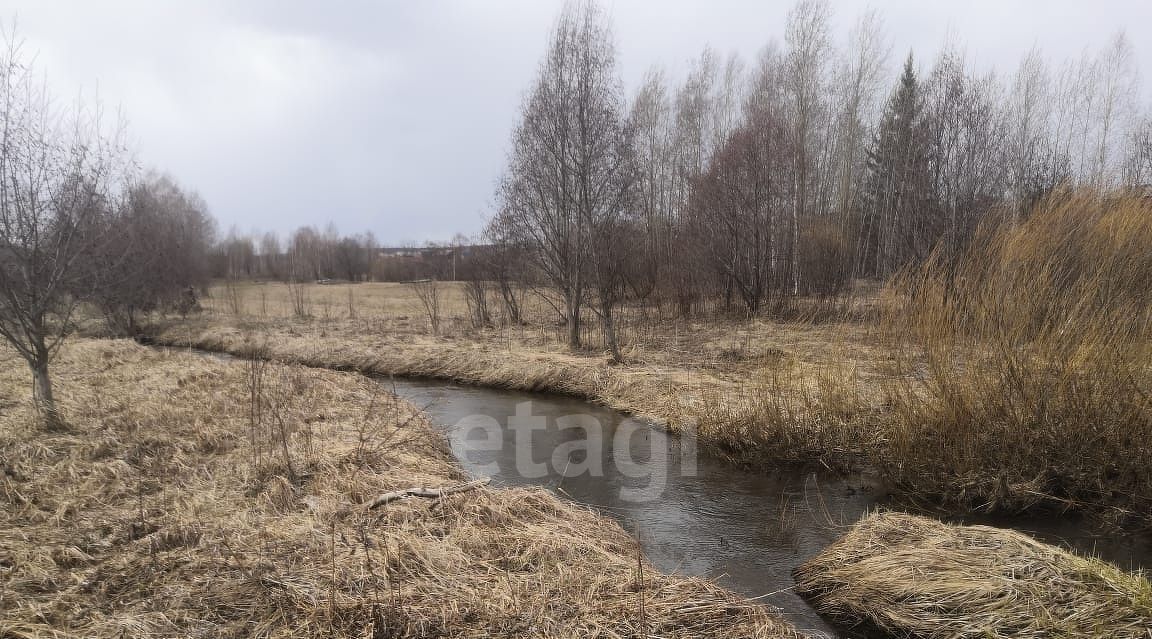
[(746, 187), (751, 186), (310, 255)]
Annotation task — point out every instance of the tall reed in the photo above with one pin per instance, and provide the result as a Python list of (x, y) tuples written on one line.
[(1023, 364)]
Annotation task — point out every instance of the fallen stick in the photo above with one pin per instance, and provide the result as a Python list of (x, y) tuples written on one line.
[(427, 493)]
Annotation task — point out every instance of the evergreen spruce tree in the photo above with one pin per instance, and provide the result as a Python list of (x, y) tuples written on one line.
[(896, 213)]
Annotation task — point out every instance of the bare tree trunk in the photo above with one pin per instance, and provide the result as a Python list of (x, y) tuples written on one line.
[(610, 333), (42, 394), (573, 322)]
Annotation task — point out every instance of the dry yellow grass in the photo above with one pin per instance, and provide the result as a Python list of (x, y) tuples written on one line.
[(916, 577), (801, 401), (760, 392), (333, 301), (166, 511)]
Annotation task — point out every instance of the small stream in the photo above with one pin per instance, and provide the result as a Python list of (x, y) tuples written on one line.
[(694, 516), (745, 530)]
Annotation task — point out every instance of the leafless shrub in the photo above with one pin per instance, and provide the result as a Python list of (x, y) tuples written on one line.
[(234, 297), (255, 366), (428, 294), (298, 296), (476, 296)]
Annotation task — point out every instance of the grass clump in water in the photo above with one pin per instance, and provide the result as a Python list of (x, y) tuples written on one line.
[(911, 576)]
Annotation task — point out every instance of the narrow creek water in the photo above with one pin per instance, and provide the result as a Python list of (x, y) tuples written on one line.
[(694, 516), (743, 529)]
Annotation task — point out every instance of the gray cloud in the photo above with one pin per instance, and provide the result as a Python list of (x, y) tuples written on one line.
[(395, 116)]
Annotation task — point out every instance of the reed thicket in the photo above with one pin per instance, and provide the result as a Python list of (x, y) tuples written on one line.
[(1024, 364)]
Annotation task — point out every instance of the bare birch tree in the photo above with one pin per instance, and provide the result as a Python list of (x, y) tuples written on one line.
[(567, 168), (859, 84), (1138, 163), (1118, 89), (1035, 160), (809, 53), (654, 133)]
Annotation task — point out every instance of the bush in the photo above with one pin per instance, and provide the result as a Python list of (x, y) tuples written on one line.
[(1023, 366)]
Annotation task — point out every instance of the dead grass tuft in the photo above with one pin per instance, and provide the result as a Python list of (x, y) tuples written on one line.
[(911, 576)]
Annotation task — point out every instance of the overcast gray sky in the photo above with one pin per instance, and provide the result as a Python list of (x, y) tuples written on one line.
[(395, 116)]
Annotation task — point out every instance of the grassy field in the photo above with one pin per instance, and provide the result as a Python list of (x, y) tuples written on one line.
[(334, 301), (201, 497), (759, 392)]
